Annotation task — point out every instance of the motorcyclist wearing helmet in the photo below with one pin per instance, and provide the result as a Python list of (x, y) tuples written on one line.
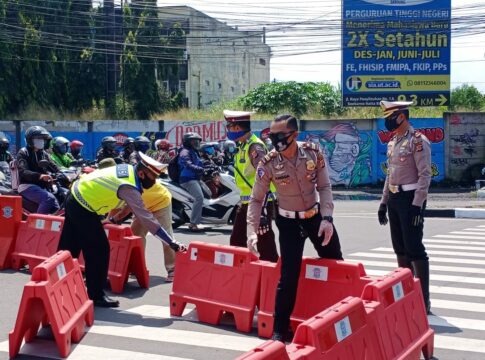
[(142, 144), (108, 150), (59, 154), (128, 148), (34, 179), (163, 153), (76, 147), (230, 149), (211, 175), (4, 147), (191, 171), (48, 144)]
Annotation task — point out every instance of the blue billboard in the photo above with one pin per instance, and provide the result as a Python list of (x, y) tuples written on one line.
[(396, 50)]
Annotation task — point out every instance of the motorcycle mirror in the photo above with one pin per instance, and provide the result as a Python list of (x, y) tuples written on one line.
[(44, 164)]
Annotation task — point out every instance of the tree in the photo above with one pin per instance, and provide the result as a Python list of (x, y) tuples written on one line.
[(468, 97)]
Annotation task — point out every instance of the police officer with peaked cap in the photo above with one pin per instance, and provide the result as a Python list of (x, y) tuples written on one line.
[(251, 150), (405, 191), (305, 208), (96, 194)]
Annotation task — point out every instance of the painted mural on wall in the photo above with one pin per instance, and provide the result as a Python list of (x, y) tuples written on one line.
[(434, 131), (209, 131), (348, 152)]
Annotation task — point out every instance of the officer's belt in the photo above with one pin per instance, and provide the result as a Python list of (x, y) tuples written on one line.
[(397, 188), (307, 214)]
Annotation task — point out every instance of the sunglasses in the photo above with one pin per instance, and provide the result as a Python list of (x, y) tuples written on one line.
[(279, 135)]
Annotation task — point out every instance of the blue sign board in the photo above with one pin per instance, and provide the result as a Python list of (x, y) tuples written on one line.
[(396, 50)]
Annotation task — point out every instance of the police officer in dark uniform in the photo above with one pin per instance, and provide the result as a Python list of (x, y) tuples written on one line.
[(405, 191), (305, 208)]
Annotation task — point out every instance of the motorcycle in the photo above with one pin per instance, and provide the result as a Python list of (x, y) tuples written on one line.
[(219, 211)]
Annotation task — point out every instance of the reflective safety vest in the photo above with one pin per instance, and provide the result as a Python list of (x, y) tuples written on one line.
[(242, 162), (98, 191)]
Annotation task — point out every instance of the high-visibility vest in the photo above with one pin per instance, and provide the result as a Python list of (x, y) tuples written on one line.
[(242, 162), (98, 191)]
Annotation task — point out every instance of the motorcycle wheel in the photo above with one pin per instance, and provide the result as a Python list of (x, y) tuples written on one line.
[(178, 215)]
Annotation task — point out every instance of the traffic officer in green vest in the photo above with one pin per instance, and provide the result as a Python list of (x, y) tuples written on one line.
[(93, 196), (251, 150)]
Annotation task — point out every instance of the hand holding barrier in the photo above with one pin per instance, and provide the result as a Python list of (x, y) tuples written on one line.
[(10, 220), (56, 295), (217, 278)]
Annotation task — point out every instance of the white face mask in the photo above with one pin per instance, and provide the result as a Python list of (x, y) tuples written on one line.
[(38, 143)]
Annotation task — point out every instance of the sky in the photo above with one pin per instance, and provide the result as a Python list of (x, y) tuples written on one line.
[(312, 27)]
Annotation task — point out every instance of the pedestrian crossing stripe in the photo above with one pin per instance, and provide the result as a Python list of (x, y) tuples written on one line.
[(433, 259), (457, 242), (460, 237), (435, 277), (440, 252)]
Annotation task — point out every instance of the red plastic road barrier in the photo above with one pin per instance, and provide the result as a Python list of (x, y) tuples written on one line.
[(217, 278), (322, 283), (10, 218), (37, 239), (402, 322), (270, 350), (126, 256), (340, 332), (55, 295)]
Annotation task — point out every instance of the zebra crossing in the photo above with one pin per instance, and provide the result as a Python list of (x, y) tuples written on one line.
[(457, 268)]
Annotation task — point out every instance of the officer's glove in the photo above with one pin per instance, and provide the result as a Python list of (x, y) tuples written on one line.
[(416, 215), (327, 228), (252, 243), (382, 214), (178, 246)]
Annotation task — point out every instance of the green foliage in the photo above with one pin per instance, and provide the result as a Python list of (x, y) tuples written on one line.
[(468, 97)]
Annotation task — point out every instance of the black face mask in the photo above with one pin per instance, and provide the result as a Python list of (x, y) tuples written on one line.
[(146, 182), (280, 140), (391, 122)]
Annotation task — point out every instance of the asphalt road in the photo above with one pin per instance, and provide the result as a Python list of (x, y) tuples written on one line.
[(142, 328)]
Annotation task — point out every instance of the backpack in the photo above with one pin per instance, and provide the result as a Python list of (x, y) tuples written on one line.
[(173, 168)]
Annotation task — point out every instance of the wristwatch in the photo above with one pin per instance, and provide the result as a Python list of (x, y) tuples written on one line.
[(328, 218)]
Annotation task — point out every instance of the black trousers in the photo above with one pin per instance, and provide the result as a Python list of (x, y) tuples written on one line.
[(292, 236), (266, 242), (407, 240), (83, 231)]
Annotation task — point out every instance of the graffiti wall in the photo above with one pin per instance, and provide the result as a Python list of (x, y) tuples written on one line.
[(349, 153), (209, 131), (434, 131)]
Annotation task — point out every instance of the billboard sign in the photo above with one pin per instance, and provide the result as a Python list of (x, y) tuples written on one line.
[(396, 50)]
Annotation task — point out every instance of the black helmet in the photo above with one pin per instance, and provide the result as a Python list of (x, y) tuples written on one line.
[(36, 132), (4, 143), (108, 142), (230, 147), (189, 137), (142, 143), (128, 141), (60, 145)]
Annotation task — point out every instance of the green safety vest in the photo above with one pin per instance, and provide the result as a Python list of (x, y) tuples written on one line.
[(98, 191), (242, 162)]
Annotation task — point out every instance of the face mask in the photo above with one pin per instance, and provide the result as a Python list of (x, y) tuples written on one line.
[(76, 151), (391, 122), (63, 150), (144, 148), (146, 182), (280, 140), (234, 135), (38, 143)]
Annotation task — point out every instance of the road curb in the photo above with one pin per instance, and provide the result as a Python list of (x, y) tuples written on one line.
[(462, 213)]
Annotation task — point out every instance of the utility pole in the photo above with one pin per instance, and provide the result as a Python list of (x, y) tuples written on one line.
[(110, 47)]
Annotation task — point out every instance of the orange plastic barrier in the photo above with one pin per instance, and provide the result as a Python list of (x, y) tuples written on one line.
[(217, 278), (270, 350), (402, 322), (55, 295), (126, 256), (322, 283), (10, 218), (37, 239)]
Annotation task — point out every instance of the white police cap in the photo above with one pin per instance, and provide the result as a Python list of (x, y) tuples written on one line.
[(389, 107)]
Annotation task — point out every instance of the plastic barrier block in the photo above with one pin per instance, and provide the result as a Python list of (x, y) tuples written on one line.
[(322, 283), (10, 218), (126, 256), (217, 278), (56, 295), (402, 322), (37, 239), (269, 350), (340, 332)]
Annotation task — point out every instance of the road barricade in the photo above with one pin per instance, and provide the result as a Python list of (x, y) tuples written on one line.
[(126, 256), (37, 239), (10, 219), (401, 318), (217, 278), (322, 283), (55, 295), (270, 350)]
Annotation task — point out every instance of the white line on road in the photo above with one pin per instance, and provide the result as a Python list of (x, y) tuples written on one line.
[(434, 289), (46, 348), (437, 277), (454, 322), (457, 242), (459, 344), (432, 259), (457, 305), (460, 237), (163, 312), (438, 252), (456, 247), (467, 232), (474, 229)]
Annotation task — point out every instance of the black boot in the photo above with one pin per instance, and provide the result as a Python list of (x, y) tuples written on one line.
[(403, 262), (421, 271)]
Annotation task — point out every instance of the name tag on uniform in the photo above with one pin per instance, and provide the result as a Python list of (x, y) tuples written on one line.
[(122, 171)]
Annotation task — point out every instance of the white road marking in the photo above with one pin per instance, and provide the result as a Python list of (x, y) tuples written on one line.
[(437, 277), (163, 312), (459, 344), (467, 232), (474, 229), (439, 252), (457, 242), (457, 305), (433, 259), (454, 322), (456, 247), (460, 237)]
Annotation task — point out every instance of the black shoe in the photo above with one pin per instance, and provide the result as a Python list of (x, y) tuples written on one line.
[(106, 302), (278, 337)]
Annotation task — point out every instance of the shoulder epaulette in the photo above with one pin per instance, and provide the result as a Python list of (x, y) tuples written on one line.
[(269, 156), (417, 134), (311, 145)]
